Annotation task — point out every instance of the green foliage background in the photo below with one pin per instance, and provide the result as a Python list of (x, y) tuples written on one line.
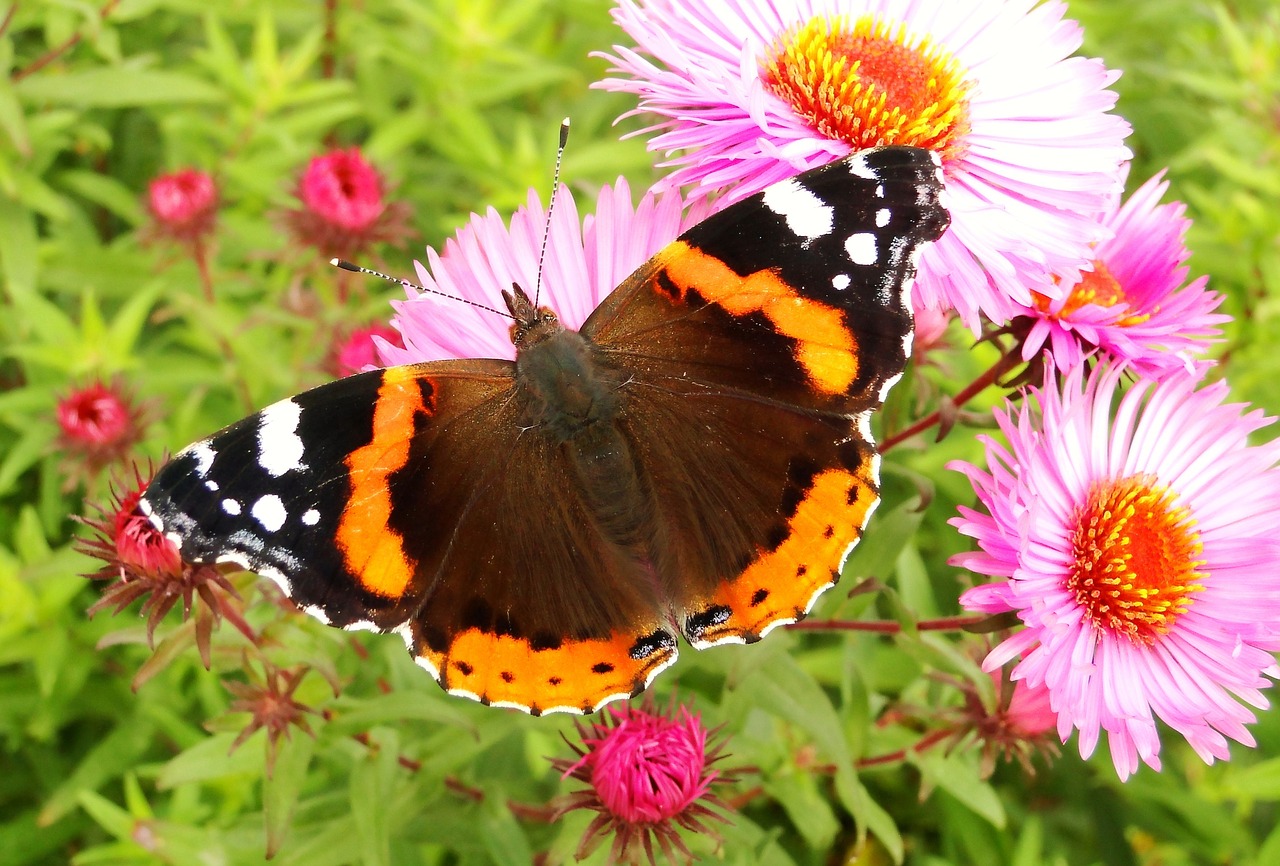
[(458, 103)]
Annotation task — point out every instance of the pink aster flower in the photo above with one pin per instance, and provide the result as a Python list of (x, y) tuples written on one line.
[(586, 259), (1017, 727), (648, 775), (98, 424), (749, 93), (1133, 304), (1138, 547), (359, 350), (144, 564), (344, 206), (183, 205)]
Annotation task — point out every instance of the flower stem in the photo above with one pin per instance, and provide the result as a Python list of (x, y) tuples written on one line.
[(993, 374), (926, 742), (946, 623), (54, 53)]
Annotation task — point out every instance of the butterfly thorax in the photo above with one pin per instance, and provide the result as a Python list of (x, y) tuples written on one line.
[(565, 387), (570, 398)]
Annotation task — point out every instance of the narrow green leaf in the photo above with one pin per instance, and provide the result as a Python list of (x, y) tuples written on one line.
[(210, 759), (18, 246), (281, 789), (13, 121), (805, 805), (371, 790), (111, 757), (127, 324), (104, 190), (502, 835), (117, 88), (1029, 850), (31, 445), (135, 800), (784, 689), (870, 815), (960, 779), (1261, 781), (109, 816)]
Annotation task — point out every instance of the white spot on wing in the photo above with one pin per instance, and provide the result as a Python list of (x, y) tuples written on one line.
[(888, 384), (269, 511), (311, 517), (882, 217), (862, 248), (405, 630), (425, 663), (318, 612), (840, 282), (787, 620), (231, 506), (729, 638), (361, 625), (202, 454), (858, 167), (573, 711), (805, 213), (280, 449)]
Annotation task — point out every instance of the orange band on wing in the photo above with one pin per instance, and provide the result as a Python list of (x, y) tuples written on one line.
[(783, 583), (372, 550), (576, 675), (825, 347)]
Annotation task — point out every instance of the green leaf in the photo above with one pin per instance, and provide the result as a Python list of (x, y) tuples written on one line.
[(281, 789), (18, 247), (109, 816), (783, 689), (502, 835), (1261, 781), (118, 87), (32, 444), (960, 779), (109, 759), (207, 760), (869, 814), (13, 121), (371, 788), (107, 191), (799, 795)]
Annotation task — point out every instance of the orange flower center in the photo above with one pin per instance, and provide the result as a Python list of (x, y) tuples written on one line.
[(869, 83), (1099, 287), (1135, 556)]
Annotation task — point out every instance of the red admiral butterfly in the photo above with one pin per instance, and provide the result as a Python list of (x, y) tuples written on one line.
[(697, 459)]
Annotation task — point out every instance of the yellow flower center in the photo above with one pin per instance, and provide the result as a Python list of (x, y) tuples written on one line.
[(1099, 287), (869, 82), (1135, 555)]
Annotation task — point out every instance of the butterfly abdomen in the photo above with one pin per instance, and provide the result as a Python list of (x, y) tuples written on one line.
[(572, 399)]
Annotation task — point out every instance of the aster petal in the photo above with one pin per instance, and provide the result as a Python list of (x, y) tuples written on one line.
[(585, 259)]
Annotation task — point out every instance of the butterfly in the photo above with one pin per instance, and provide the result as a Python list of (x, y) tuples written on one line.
[(696, 460)]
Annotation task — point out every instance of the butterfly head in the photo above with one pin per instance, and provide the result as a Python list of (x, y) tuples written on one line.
[(532, 324)]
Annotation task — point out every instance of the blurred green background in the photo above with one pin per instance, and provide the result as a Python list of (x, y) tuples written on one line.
[(458, 104)]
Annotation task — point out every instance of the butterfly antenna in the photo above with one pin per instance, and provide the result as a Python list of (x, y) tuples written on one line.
[(357, 269), (551, 207)]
